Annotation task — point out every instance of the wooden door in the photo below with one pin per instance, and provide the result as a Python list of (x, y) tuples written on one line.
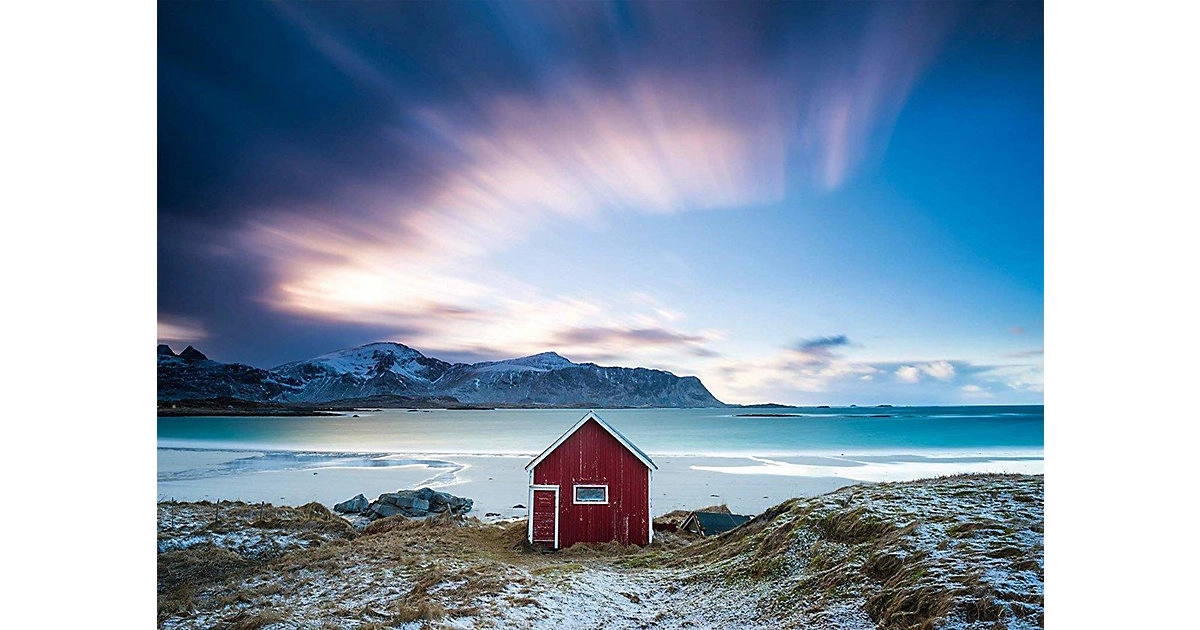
[(545, 516)]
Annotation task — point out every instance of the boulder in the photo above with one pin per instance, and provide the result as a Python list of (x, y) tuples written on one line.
[(410, 503), (405, 500), (352, 506), (402, 499), (383, 510)]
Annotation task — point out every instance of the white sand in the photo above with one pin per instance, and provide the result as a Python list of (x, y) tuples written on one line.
[(497, 483)]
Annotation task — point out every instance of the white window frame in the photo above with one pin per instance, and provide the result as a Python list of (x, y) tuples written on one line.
[(575, 493)]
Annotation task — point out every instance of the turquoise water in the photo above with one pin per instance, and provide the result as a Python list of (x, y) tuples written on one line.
[(947, 431)]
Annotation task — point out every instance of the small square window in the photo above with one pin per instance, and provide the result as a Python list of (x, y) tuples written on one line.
[(591, 494)]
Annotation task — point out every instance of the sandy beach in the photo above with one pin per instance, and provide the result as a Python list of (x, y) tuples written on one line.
[(497, 483)]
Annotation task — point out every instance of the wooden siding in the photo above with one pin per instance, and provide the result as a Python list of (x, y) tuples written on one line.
[(591, 456), (543, 516)]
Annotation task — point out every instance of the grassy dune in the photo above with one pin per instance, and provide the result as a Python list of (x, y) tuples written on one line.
[(953, 552)]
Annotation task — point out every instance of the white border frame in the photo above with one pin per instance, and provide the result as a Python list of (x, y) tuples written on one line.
[(557, 505), (575, 493)]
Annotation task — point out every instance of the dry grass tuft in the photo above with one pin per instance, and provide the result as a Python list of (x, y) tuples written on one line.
[(419, 610), (883, 566), (853, 527), (600, 550), (180, 602), (918, 607), (973, 528), (980, 604), (417, 605), (390, 524), (197, 566), (251, 620)]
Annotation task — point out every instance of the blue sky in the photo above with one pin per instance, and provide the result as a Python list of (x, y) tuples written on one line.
[(797, 202)]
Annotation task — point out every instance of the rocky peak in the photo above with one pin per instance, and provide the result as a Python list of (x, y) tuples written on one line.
[(545, 360), (191, 354), (165, 351), (388, 347)]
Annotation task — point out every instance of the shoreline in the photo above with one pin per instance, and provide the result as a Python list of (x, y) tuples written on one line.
[(498, 482), (225, 407)]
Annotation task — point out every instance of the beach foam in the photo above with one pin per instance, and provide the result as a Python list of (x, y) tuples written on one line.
[(884, 468), (498, 483)]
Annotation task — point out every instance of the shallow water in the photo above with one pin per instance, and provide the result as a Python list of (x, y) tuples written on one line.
[(985, 432), (705, 456)]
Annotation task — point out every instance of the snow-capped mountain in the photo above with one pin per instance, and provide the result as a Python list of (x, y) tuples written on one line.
[(370, 370), (190, 374), (393, 369)]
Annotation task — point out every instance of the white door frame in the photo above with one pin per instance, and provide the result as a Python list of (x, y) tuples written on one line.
[(546, 488), (650, 504)]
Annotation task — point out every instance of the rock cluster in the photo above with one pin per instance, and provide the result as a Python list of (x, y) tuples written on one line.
[(411, 503), (353, 506)]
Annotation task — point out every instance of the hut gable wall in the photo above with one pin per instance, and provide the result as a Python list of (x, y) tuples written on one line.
[(592, 456)]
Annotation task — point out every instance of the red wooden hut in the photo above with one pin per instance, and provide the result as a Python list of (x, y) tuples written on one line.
[(591, 485)]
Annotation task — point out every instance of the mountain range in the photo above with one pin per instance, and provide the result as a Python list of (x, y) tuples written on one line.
[(379, 372)]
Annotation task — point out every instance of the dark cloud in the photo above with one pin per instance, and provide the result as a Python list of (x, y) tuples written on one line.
[(815, 351), (221, 290), (821, 343)]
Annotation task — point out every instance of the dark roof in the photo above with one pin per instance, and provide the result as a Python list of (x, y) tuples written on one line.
[(713, 523)]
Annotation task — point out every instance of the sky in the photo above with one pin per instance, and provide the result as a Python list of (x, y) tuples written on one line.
[(805, 203)]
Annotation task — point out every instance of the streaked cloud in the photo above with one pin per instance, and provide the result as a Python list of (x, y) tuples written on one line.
[(412, 179), (857, 105), (174, 329), (582, 147), (572, 160), (653, 336)]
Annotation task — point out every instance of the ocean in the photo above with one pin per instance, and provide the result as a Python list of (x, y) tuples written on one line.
[(973, 430), (704, 456)]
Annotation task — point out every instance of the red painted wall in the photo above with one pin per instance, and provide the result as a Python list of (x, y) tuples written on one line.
[(593, 456)]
